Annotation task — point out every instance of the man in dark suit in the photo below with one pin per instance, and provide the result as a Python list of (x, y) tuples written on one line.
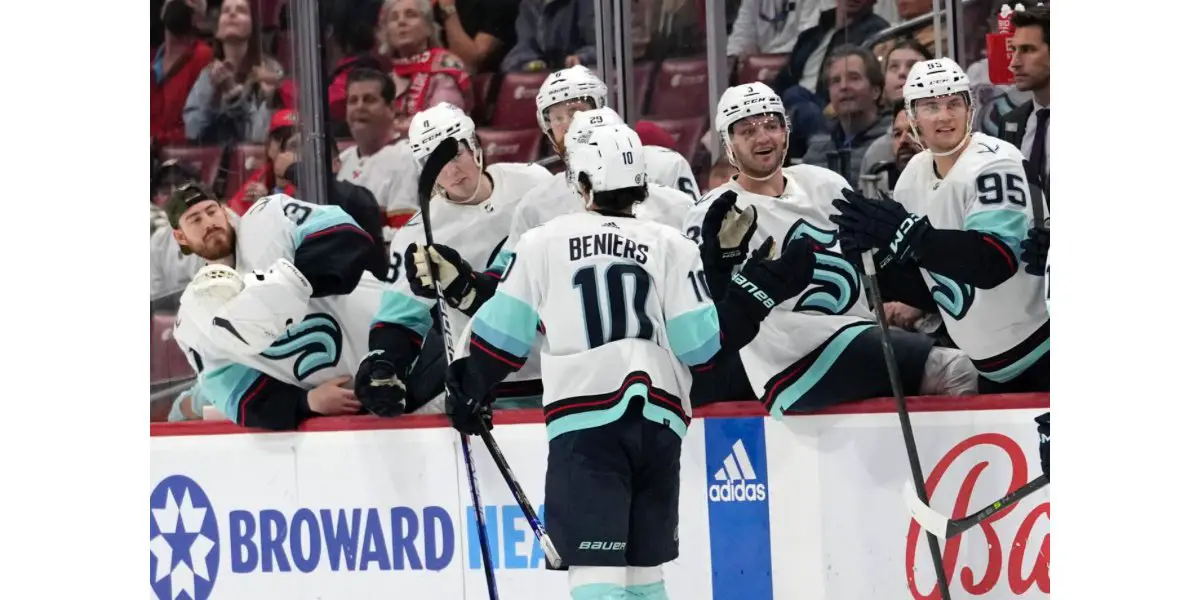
[(1028, 125)]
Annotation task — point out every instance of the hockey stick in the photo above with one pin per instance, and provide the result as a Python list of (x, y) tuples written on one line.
[(445, 152), (441, 156), (910, 444), (946, 528)]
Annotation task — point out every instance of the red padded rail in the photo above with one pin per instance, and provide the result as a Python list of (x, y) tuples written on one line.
[(530, 415)]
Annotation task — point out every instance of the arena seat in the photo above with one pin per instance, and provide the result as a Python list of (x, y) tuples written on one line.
[(643, 74), (479, 91), (509, 145), (680, 89), (206, 160), (761, 67), (685, 132), (167, 362), (516, 107)]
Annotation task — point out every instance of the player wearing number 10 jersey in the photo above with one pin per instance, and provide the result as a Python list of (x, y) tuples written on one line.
[(962, 209)]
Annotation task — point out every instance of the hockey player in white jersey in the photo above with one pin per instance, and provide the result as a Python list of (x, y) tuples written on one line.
[(277, 320), (627, 323), (561, 96), (823, 347), (961, 211), (470, 214)]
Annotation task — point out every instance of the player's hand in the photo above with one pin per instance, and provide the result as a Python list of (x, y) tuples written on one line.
[(726, 231), (865, 223), (763, 283), (330, 399), (1034, 249), (457, 279), (1043, 422), (471, 416), (902, 315), (377, 387)]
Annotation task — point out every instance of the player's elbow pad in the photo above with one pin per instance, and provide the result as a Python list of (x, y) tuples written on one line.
[(274, 405), (971, 257), (334, 260)]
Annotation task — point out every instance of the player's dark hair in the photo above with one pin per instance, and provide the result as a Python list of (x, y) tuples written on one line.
[(621, 200), (907, 44), (353, 25), (387, 87), (897, 108), (1038, 16), (871, 64), (281, 135)]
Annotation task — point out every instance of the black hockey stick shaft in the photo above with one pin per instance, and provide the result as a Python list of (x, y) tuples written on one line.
[(446, 151), (438, 159), (957, 526), (910, 444)]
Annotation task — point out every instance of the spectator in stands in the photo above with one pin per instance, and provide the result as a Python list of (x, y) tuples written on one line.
[(801, 83), (855, 86), (263, 182), (381, 160), (424, 73), (233, 98), (897, 63), (665, 29), (352, 29), (479, 32), (553, 35), (926, 36), (174, 68), (770, 26), (171, 268), (890, 154), (1028, 125)]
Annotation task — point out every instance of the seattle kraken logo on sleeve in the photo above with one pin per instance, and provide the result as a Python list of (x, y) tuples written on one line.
[(955, 298), (316, 342), (835, 281)]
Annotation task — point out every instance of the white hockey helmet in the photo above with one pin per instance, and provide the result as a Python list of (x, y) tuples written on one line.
[(569, 84), (611, 155), (746, 100), (933, 79), (432, 125)]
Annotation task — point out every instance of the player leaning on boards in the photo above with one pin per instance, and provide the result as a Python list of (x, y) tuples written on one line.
[(823, 346), (961, 213), (277, 319), (627, 323), (563, 94), (472, 212)]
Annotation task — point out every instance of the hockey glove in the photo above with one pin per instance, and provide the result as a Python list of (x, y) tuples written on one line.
[(763, 283), (377, 387), (1043, 422), (471, 416), (458, 281), (865, 223), (245, 320), (1034, 249), (726, 232)]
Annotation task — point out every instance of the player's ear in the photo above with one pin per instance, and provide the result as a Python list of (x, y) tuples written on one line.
[(179, 237)]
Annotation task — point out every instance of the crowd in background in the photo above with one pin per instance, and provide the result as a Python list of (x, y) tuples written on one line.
[(224, 98)]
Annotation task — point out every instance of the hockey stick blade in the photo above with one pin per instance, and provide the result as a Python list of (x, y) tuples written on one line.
[(946, 528), (438, 159)]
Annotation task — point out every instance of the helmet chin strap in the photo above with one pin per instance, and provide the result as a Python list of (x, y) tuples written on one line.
[(738, 165), (959, 146)]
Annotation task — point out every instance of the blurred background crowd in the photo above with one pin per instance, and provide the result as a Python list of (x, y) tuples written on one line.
[(225, 97)]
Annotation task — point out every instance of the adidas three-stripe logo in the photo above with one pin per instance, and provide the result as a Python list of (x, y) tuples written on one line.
[(734, 481)]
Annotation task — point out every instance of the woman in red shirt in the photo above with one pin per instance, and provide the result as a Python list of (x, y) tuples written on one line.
[(425, 74), (174, 68)]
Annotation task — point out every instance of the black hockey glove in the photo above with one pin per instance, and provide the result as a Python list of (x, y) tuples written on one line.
[(459, 282), (866, 223), (1043, 422), (1034, 249), (377, 387), (763, 282), (726, 232), (471, 416)]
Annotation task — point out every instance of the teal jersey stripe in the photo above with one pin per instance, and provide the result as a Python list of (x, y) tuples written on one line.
[(500, 263), (322, 218), (794, 392), (224, 387), (599, 591), (1011, 226), (658, 414), (401, 309), (1013, 370), (506, 323), (649, 591), (596, 418), (695, 336)]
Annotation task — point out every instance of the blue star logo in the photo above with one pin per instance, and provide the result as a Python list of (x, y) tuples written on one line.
[(184, 541)]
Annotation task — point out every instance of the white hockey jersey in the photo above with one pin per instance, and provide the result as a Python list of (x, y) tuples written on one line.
[(622, 315), (669, 168), (477, 232), (391, 175), (1004, 329), (803, 336), (327, 344)]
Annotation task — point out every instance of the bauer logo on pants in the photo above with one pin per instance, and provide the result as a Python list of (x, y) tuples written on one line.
[(735, 453)]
